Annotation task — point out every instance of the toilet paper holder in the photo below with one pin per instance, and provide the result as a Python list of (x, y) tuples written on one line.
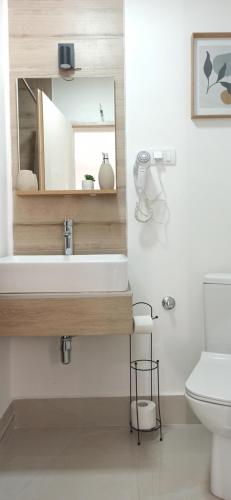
[(146, 304), (137, 367)]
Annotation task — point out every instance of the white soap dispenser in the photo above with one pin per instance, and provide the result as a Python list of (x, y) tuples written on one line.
[(106, 174)]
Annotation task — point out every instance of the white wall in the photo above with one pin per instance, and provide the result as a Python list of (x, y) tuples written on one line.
[(99, 368), (163, 260), (80, 99), (5, 200), (57, 145), (172, 260)]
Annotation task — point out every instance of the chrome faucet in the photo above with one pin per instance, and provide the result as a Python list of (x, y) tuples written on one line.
[(68, 236)]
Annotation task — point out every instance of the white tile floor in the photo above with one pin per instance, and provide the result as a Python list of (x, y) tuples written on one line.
[(105, 464)]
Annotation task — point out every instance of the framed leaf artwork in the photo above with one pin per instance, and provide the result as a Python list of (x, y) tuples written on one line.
[(211, 75)]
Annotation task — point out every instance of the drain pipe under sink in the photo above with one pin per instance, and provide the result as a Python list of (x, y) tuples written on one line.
[(65, 348)]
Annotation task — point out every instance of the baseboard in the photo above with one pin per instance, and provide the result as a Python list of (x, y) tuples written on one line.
[(92, 412), (7, 420)]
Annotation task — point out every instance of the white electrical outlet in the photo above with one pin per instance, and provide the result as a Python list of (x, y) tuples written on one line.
[(166, 157)]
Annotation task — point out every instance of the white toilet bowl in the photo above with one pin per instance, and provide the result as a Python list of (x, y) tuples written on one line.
[(208, 391)]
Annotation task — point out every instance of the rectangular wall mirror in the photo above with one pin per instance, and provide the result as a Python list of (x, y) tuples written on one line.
[(64, 126)]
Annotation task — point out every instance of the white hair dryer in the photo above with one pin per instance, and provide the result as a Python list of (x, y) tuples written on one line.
[(143, 210)]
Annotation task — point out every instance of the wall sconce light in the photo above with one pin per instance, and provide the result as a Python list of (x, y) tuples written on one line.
[(66, 56)]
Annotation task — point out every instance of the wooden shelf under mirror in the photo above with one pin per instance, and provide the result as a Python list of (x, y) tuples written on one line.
[(76, 192)]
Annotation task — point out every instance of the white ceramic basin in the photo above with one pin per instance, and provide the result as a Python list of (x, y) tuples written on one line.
[(63, 274)]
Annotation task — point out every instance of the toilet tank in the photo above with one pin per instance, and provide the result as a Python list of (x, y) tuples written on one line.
[(217, 313)]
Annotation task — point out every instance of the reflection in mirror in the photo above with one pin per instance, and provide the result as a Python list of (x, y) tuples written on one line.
[(64, 126)]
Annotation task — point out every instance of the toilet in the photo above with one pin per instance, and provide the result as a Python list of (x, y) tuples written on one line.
[(208, 388)]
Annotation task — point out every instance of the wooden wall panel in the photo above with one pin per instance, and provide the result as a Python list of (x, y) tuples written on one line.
[(52, 210), (66, 17), (102, 54), (96, 29), (88, 238)]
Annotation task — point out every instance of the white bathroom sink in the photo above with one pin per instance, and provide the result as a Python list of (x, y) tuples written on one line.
[(63, 273)]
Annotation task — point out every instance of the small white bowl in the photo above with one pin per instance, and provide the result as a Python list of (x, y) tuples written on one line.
[(26, 181)]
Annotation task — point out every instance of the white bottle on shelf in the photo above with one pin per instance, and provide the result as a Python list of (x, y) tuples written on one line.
[(106, 174)]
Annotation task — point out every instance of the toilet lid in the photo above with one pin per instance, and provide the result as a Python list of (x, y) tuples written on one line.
[(211, 379)]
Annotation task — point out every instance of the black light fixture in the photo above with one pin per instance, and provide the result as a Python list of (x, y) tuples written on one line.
[(66, 56)]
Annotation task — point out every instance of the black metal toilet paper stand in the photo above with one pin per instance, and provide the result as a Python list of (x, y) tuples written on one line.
[(151, 366)]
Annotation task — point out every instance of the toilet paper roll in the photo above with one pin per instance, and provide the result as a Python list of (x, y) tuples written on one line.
[(142, 324), (146, 414)]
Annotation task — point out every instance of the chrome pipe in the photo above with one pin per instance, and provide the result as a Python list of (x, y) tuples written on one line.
[(65, 348)]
